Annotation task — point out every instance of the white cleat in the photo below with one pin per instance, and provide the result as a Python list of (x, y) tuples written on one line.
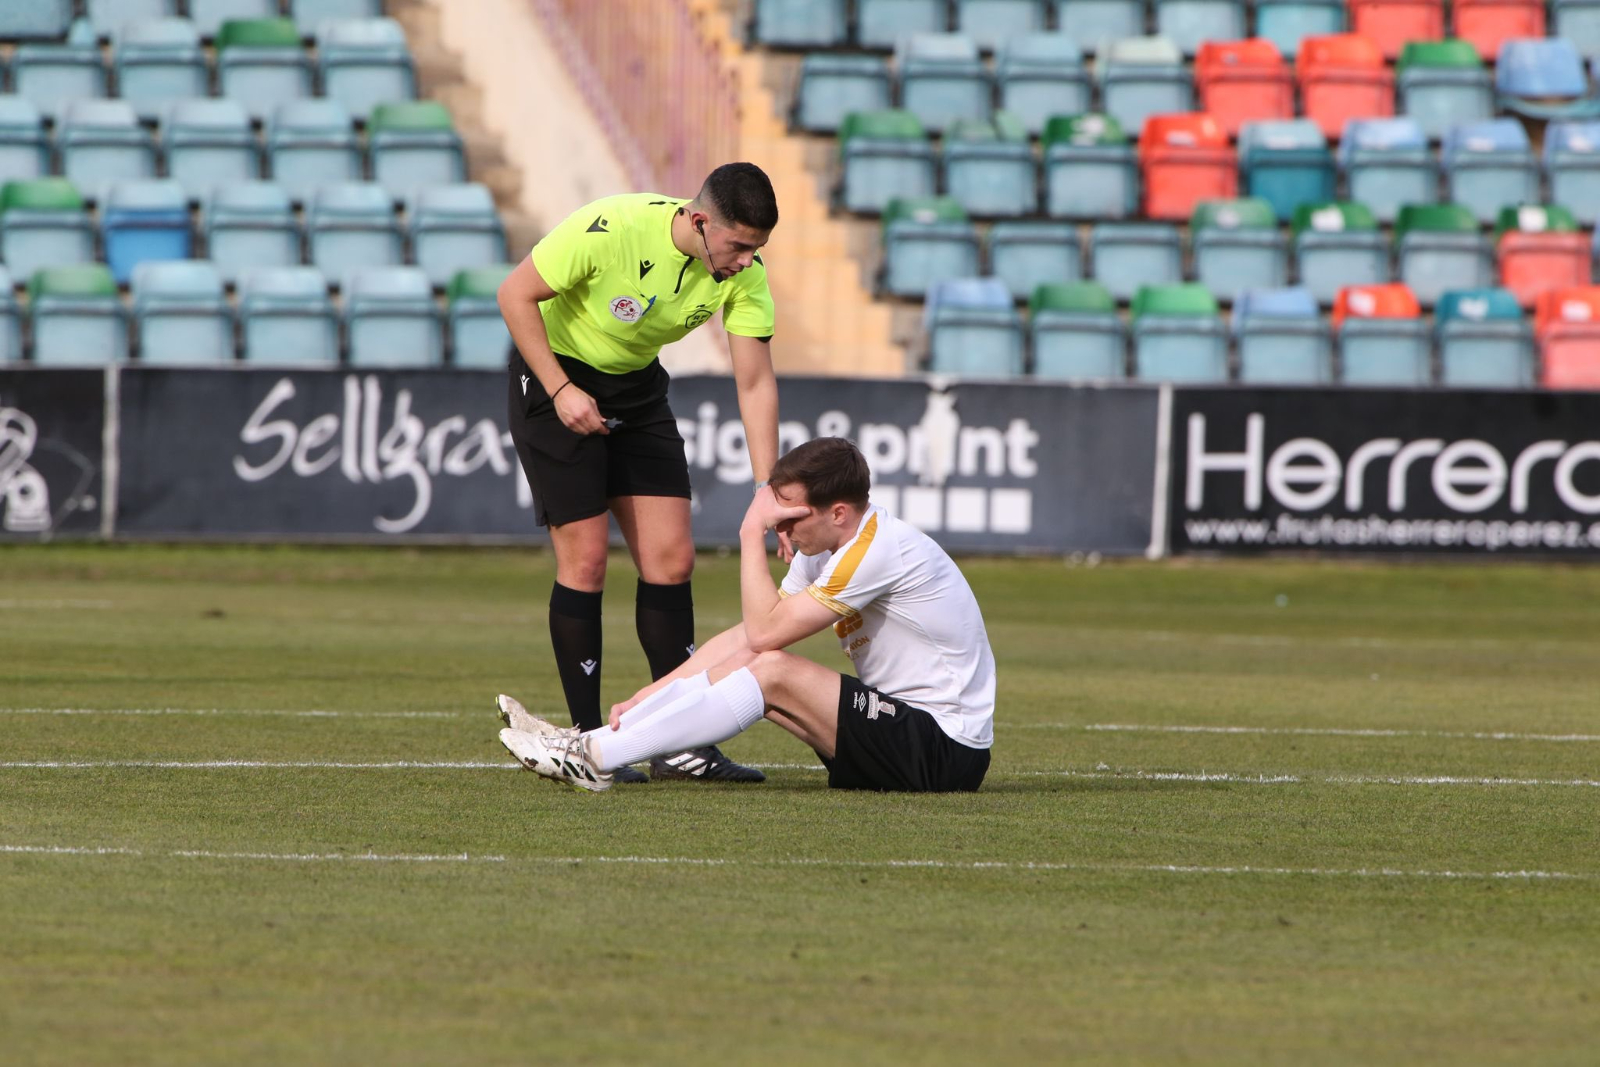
[(517, 717), (561, 757)]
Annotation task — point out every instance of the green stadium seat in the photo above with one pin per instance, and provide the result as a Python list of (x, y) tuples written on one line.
[(261, 64), (414, 145), (1443, 84), (1076, 332), (1338, 244), (1178, 335), (77, 318), (1237, 246), (989, 168), (43, 223), (478, 334), (926, 240), (1090, 169), (883, 155), (1439, 247)]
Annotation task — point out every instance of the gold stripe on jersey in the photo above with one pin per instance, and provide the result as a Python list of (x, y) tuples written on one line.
[(838, 607), (852, 559)]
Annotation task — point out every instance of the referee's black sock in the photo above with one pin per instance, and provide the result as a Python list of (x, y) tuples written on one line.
[(575, 635), (664, 616)]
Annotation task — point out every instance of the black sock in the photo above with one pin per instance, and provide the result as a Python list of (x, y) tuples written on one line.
[(575, 636), (664, 616)]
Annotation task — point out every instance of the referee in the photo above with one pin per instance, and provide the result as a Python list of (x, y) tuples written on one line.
[(589, 311)]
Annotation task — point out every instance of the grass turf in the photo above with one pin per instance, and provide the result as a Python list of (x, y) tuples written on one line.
[(1097, 901)]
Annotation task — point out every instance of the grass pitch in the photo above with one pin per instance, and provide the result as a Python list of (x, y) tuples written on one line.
[(1254, 812)]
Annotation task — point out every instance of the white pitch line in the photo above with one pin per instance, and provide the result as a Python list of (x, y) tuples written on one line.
[(297, 857), (1323, 779), (309, 714), (245, 764), (10, 603), (1299, 731)]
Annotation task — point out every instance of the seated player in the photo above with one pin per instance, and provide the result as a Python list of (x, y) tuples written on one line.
[(919, 715)]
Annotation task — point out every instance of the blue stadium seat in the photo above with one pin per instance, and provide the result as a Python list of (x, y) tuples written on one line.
[(478, 334), (1026, 255), (926, 241), (261, 64), (24, 149), (1282, 338), (1572, 164), (209, 145), (312, 143), (209, 15), (1545, 79), (1190, 23), (1286, 163), (1484, 341), (180, 313), (1123, 256), (413, 145), (351, 226), (942, 79), (285, 317), (1577, 21), (1237, 245), (832, 86), (1041, 75), (101, 141), (110, 18), (989, 22), (76, 316), (1287, 22), (1387, 163), (391, 319), (883, 23), (309, 15), (10, 321), (1091, 21), (43, 223), (883, 155), (1142, 76), (989, 168), (159, 61), (142, 221), (801, 23), (34, 19), (1076, 333), (1488, 165), (973, 329), (248, 225), (1338, 244), (51, 75), (365, 62), (1090, 170), (1178, 335), (453, 228)]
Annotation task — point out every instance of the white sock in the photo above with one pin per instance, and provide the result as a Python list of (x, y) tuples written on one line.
[(705, 717), (653, 703)]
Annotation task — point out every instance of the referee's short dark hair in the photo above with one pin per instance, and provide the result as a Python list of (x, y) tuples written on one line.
[(742, 194), (831, 470)]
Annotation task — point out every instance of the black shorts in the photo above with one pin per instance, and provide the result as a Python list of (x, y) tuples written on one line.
[(891, 746), (573, 475)]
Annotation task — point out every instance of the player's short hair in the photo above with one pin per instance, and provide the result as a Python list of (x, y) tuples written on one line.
[(831, 470), (741, 193)]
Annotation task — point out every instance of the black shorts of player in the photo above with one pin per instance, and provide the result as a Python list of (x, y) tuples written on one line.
[(573, 475), (893, 747)]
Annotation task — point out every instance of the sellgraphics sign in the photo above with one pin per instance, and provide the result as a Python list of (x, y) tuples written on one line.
[(52, 432)]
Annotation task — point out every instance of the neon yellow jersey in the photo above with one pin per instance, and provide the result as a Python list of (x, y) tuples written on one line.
[(623, 289)]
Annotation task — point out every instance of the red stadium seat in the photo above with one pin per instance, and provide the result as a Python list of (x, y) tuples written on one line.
[(1243, 81), (1343, 77), (1391, 301), (1567, 324), (1185, 159), (1391, 23), (1488, 23), (1533, 263)]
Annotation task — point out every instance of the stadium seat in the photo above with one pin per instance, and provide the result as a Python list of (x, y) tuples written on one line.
[(796, 23), (478, 334), (1572, 164), (142, 221), (989, 167), (1382, 337), (285, 316), (43, 223), (1089, 168), (1567, 326), (101, 141), (1544, 79), (311, 143), (1439, 247), (1540, 248), (1484, 340), (1076, 332), (1286, 163), (832, 86), (260, 63), (1185, 159), (1178, 335), (453, 228), (1490, 23), (110, 18), (35, 19), (1390, 24), (973, 329), (180, 313), (52, 75), (882, 24), (943, 80), (1286, 23), (1123, 256), (391, 320), (1026, 255), (1386, 163), (1488, 165), (1090, 21), (1237, 246), (365, 62), (991, 22), (414, 145), (248, 225), (309, 15), (1282, 338), (926, 240), (1343, 77), (1338, 244), (883, 155), (160, 61), (24, 149), (350, 226), (1577, 21), (209, 15), (76, 315), (1142, 76), (1042, 75), (10, 321), (209, 145), (1442, 84), (1243, 81), (1190, 23)]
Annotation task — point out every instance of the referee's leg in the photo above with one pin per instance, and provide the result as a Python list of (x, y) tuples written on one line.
[(575, 627)]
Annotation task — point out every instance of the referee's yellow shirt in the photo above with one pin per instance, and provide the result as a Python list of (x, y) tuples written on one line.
[(623, 289)]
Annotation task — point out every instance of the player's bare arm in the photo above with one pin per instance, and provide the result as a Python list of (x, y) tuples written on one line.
[(770, 621), (519, 297)]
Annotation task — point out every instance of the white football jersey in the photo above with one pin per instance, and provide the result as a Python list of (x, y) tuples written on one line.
[(909, 622)]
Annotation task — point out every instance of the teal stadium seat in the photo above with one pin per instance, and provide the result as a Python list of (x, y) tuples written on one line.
[(1090, 170), (798, 23), (1287, 22), (989, 168), (1577, 21), (1237, 246), (991, 22), (883, 155), (1190, 23), (1572, 165), (1387, 163), (25, 20), (364, 63), (414, 144), (52, 75), (1125, 256), (209, 146), (180, 314), (478, 334), (1338, 244), (453, 228), (973, 329), (832, 86), (102, 141), (157, 62), (1287, 163), (11, 350), (312, 143), (1142, 76), (351, 226), (260, 62), (391, 319), (1026, 255), (1282, 338), (1485, 341), (1076, 333), (43, 223), (309, 15), (1041, 75), (942, 80), (76, 316), (1178, 335), (110, 18), (249, 225), (285, 317), (1092, 21), (144, 220), (24, 148), (926, 240), (881, 24), (209, 15)]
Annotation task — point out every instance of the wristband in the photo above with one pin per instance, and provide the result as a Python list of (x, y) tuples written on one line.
[(560, 387), (757, 488)]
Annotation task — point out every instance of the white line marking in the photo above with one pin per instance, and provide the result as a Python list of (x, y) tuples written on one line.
[(311, 714), (298, 857), (1324, 779), (1300, 731), (26, 605), (246, 764)]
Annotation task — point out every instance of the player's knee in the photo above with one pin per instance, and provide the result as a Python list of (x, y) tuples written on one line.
[(771, 670), (582, 570)]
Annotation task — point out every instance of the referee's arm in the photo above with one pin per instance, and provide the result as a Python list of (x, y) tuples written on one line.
[(758, 400), (519, 297)]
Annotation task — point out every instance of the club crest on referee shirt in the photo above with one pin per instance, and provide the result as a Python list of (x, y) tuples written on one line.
[(626, 309)]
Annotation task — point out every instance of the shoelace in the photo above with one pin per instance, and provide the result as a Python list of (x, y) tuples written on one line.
[(568, 746)]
